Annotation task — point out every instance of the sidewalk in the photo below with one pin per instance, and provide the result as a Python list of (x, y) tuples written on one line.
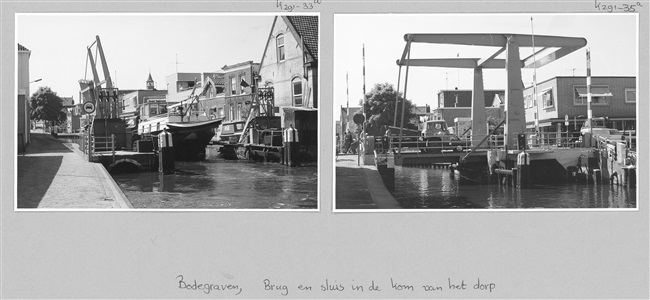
[(360, 187), (53, 173)]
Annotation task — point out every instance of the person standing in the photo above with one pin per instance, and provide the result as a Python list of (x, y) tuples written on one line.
[(347, 142)]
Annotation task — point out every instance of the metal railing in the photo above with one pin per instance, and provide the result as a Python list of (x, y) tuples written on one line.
[(91, 145)]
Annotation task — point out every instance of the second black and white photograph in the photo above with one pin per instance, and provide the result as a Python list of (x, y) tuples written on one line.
[(485, 111)]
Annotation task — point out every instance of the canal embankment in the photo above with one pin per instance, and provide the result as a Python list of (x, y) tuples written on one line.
[(54, 173), (360, 186)]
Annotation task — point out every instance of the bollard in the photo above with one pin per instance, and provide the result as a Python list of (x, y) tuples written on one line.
[(523, 164), (165, 153), (596, 176), (291, 138)]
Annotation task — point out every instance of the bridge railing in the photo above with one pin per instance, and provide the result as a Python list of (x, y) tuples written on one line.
[(91, 145), (549, 140), (414, 143), (542, 140)]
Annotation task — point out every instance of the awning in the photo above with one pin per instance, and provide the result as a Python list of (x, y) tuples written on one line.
[(595, 91)]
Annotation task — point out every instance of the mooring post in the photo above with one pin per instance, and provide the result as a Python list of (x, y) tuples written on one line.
[(596, 176), (165, 153)]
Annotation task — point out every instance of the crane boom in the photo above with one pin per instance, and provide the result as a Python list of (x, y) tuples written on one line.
[(107, 74)]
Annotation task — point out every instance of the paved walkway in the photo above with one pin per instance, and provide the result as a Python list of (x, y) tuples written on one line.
[(53, 173), (360, 187)]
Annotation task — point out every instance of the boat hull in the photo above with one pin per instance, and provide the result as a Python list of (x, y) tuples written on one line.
[(190, 139)]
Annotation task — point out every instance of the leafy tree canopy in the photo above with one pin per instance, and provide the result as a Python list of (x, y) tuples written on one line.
[(380, 109), (46, 106)]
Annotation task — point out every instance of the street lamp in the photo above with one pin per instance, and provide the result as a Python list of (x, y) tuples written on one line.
[(37, 80)]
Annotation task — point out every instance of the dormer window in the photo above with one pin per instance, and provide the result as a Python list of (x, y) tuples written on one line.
[(280, 44)]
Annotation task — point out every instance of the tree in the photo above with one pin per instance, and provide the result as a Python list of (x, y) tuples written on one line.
[(47, 106), (380, 109)]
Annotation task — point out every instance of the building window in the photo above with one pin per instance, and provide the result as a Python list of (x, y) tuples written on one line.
[(220, 113), (600, 95), (243, 84), (239, 111), (296, 89), (280, 43), (630, 95), (547, 98), (232, 112), (528, 101), (233, 85)]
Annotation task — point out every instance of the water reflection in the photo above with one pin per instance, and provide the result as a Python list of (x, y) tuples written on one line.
[(436, 188), (218, 183)]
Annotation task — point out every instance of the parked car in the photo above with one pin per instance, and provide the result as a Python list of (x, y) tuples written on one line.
[(437, 137)]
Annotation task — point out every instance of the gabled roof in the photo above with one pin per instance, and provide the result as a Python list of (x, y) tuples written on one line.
[(307, 28), (22, 48), (300, 26)]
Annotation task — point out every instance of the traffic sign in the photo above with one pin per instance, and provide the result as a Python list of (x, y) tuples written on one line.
[(358, 118), (89, 107)]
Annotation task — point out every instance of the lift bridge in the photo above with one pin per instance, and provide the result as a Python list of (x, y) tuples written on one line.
[(409, 150)]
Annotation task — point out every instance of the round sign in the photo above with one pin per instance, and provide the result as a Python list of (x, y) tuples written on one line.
[(89, 107), (358, 118)]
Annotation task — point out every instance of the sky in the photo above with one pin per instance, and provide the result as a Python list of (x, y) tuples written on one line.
[(611, 38), (136, 44)]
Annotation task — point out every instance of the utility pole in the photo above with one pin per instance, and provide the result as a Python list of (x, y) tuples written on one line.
[(347, 110), (535, 81), (589, 113)]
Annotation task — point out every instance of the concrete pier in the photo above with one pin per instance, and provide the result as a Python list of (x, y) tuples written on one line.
[(55, 174)]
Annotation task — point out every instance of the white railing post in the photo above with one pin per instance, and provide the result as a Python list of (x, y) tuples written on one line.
[(113, 145), (90, 147)]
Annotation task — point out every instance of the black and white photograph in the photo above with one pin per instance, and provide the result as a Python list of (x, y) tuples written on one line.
[(167, 111), (485, 111), (324, 149)]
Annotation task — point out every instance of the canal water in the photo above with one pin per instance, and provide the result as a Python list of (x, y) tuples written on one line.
[(216, 183), (436, 188)]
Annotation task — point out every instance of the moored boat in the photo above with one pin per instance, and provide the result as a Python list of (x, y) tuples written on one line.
[(191, 128)]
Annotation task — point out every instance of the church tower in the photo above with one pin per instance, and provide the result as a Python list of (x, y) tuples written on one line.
[(150, 85)]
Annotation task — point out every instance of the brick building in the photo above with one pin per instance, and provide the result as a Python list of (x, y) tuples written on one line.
[(566, 97), (22, 83)]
